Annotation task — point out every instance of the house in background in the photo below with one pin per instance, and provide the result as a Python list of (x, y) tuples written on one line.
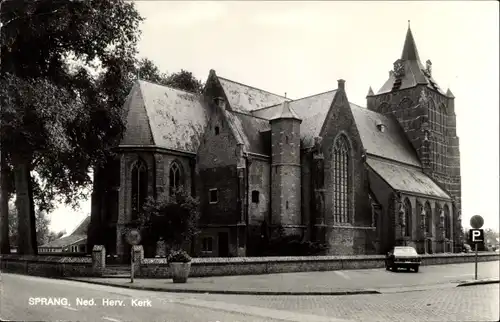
[(76, 242)]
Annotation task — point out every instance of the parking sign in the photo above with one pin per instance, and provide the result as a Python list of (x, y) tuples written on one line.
[(476, 236)]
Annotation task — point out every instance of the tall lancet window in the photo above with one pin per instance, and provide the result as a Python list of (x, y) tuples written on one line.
[(408, 216), (175, 177), (428, 219), (139, 187), (341, 179), (447, 222)]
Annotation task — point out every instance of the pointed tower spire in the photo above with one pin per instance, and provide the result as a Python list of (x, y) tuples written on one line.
[(286, 112), (449, 94), (370, 92), (410, 51)]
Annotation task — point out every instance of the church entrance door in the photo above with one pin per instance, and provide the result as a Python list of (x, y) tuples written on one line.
[(223, 244)]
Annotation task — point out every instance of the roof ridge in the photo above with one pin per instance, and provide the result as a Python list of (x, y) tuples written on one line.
[(170, 87), (296, 100), (302, 98), (248, 114), (263, 90)]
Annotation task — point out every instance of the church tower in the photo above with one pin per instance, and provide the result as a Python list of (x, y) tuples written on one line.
[(427, 115), (285, 169)]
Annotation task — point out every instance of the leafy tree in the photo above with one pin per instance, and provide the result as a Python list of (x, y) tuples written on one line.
[(184, 80), (59, 119), (174, 218)]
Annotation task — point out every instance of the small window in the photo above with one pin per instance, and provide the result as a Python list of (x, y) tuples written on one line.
[(206, 244), (287, 205), (216, 130), (214, 196), (286, 139), (255, 196)]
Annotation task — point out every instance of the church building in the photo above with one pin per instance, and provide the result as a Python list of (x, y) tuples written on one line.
[(360, 179)]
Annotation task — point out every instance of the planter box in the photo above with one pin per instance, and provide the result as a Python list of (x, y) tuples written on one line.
[(180, 271)]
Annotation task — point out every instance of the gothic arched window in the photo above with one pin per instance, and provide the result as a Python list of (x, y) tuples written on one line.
[(341, 179), (139, 187), (383, 108), (444, 118), (408, 215), (447, 222), (428, 218), (175, 177)]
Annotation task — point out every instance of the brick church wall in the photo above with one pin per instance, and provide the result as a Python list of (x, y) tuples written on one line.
[(259, 180)]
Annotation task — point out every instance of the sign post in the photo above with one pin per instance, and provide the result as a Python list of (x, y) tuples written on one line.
[(133, 238), (476, 236)]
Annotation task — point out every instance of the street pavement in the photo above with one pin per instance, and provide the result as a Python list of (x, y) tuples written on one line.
[(18, 294), (471, 303), (331, 282), (446, 303)]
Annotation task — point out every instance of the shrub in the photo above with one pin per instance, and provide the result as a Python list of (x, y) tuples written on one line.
[(175, 218), (178, 256), (291, 245)]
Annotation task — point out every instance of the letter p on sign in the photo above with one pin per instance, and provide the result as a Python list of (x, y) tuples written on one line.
[(476, 236)]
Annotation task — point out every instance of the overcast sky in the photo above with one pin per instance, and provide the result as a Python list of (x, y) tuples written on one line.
[(303, 48)]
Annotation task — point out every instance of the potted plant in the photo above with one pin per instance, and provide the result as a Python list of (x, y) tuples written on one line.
[(180, 265)]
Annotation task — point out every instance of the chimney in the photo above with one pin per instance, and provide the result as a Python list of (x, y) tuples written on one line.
[(428, 67), (341, 84), (219, 101)]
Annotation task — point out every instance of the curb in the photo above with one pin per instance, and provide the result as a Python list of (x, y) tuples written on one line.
[(478, 282), (235, 292)]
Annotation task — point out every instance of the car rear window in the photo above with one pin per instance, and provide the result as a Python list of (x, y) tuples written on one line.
[(405, 250)]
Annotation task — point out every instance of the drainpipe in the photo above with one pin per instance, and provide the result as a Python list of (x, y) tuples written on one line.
[(192, 163)]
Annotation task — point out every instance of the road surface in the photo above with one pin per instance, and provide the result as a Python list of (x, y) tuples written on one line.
[(28, 298), (437, 300)]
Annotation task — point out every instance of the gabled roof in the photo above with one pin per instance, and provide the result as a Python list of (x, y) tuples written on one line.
[(246, 98), (406, 178), (81, 229), (414, 71), (392, 143), (312, 110), (176, 119), (66, 241)]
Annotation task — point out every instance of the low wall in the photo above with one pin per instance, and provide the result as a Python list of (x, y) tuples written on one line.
[(59, 266), (204, 267), (48, 266)]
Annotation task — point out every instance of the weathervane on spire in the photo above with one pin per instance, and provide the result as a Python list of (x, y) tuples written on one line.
[(408, 23)]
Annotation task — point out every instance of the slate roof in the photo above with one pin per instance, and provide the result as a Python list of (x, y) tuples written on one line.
[(406, 178), (311, 110), (414, 69), (246, 98), (390, 144), (176, 119), (250, 129), (285, 111)]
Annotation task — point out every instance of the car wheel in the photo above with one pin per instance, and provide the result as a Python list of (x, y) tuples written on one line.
[(394, 268), (387, 268), (415, 269)]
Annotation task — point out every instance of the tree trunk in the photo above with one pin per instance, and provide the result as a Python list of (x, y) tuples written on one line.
[(4, 206), (24, 205), (34, 239)]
